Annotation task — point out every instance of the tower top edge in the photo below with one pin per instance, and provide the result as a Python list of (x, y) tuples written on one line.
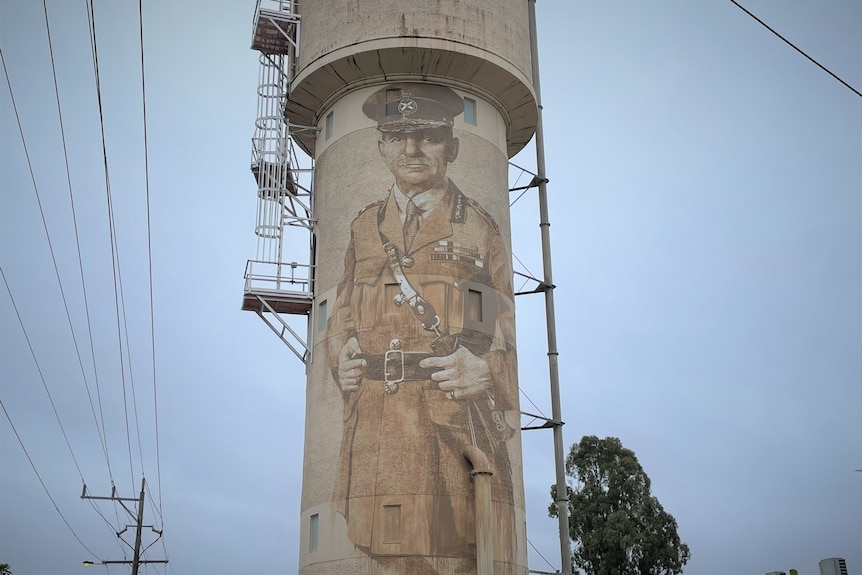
[(377, 62)]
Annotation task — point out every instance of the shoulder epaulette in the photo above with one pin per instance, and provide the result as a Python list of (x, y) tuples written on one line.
[(483, 212), (376, 204), (460, 203)]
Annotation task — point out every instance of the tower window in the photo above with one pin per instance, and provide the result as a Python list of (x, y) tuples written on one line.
[(470, 111), (473, 305), (391, 524), (330, 121), (321, 316), (314, 523)]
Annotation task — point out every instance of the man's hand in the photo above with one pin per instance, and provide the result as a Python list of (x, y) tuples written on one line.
[(462, 375), (350, 370)]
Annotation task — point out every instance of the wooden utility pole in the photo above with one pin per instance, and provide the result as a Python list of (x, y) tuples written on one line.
[(136, 560)]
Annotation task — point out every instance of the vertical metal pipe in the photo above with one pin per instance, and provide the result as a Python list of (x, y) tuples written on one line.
[(562, 501), (484, 524), (482, 473)]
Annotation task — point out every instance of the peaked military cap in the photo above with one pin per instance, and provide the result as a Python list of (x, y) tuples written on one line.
[(407, 107)]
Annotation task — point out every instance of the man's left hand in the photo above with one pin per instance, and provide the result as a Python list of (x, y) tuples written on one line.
[(461, 374)]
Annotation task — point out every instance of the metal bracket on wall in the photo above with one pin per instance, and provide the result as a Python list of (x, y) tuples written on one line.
[(279, 326)]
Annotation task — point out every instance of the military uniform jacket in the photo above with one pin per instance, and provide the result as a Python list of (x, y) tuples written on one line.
[(405, 449)]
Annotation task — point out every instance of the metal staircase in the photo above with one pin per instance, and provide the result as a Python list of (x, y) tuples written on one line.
[(276, 289)]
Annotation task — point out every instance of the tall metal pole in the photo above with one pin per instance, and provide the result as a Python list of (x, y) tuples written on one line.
[(136, 558), (139, 525), (562, 500)]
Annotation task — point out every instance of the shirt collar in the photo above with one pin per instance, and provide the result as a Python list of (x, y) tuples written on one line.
[(425, 201)]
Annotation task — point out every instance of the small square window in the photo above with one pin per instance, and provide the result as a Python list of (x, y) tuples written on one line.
[(330, 121), (473, 305), (314, 522), (321, 316), (470, 111), (391, 524)]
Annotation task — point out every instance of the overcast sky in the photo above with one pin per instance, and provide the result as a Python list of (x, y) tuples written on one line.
[(706, 211)]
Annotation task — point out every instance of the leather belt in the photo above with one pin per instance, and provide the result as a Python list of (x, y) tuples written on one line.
[(396, 366)]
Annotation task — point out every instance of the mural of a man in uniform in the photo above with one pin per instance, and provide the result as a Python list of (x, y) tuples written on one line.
[(423, 342)]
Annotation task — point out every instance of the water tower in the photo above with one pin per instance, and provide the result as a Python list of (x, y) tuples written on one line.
[(409, 112)]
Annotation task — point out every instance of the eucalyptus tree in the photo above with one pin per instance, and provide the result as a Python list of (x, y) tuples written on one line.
[(618, 526)]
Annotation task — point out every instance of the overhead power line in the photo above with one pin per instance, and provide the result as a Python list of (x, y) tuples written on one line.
[(792, 45), (41, 375), (36, 471), (53, 256), (100, 430), (115, 256), (150, 256)]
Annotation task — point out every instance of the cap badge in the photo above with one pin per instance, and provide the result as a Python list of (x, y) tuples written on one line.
[(407, 106)]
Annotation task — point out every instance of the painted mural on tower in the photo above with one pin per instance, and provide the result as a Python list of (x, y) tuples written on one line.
[(421, 345)]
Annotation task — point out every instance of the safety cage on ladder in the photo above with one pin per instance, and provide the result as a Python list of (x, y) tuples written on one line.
[(276, 283)]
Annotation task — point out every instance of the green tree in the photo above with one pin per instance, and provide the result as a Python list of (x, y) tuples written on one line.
[(5, 569), (618, 527)]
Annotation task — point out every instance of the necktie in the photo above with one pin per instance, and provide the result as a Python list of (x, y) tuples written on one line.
[(411, 224)]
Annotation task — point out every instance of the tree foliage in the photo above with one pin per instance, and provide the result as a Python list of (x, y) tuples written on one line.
[(618, 527), (5, 569)]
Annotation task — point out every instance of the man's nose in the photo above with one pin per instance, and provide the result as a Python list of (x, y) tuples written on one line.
[(411, 145)]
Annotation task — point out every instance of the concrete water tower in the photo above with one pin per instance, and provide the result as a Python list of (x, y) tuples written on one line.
[(409, 112)]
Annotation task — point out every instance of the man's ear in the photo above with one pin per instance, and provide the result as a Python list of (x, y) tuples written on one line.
[(453, 150)]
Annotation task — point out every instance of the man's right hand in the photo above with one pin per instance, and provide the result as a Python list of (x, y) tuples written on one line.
[(350, 370)]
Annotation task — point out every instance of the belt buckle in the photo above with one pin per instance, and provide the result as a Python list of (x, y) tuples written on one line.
[(393, 370)]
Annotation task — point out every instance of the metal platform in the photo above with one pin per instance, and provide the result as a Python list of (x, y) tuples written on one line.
[(274, 178), (294, 303), (272, 289), (276, 27), (283, 286)]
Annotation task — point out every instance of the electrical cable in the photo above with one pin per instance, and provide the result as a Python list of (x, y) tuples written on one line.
[(150, 258), (99, 430), (110, 526), (41, 375), (125, 332), (159, 511), (94, 57), (150, 275), (36, 471), (8, 289), (56, 272), (792, 45), (112, 231)]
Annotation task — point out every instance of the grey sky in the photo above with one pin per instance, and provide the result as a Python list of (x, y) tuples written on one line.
[(706, 197)]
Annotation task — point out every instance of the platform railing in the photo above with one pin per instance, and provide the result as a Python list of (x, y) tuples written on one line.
[(262, 276)]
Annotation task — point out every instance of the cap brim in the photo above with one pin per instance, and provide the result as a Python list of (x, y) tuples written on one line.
[(412, 125)]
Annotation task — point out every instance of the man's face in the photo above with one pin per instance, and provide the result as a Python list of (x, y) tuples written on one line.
[(418, 159)]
